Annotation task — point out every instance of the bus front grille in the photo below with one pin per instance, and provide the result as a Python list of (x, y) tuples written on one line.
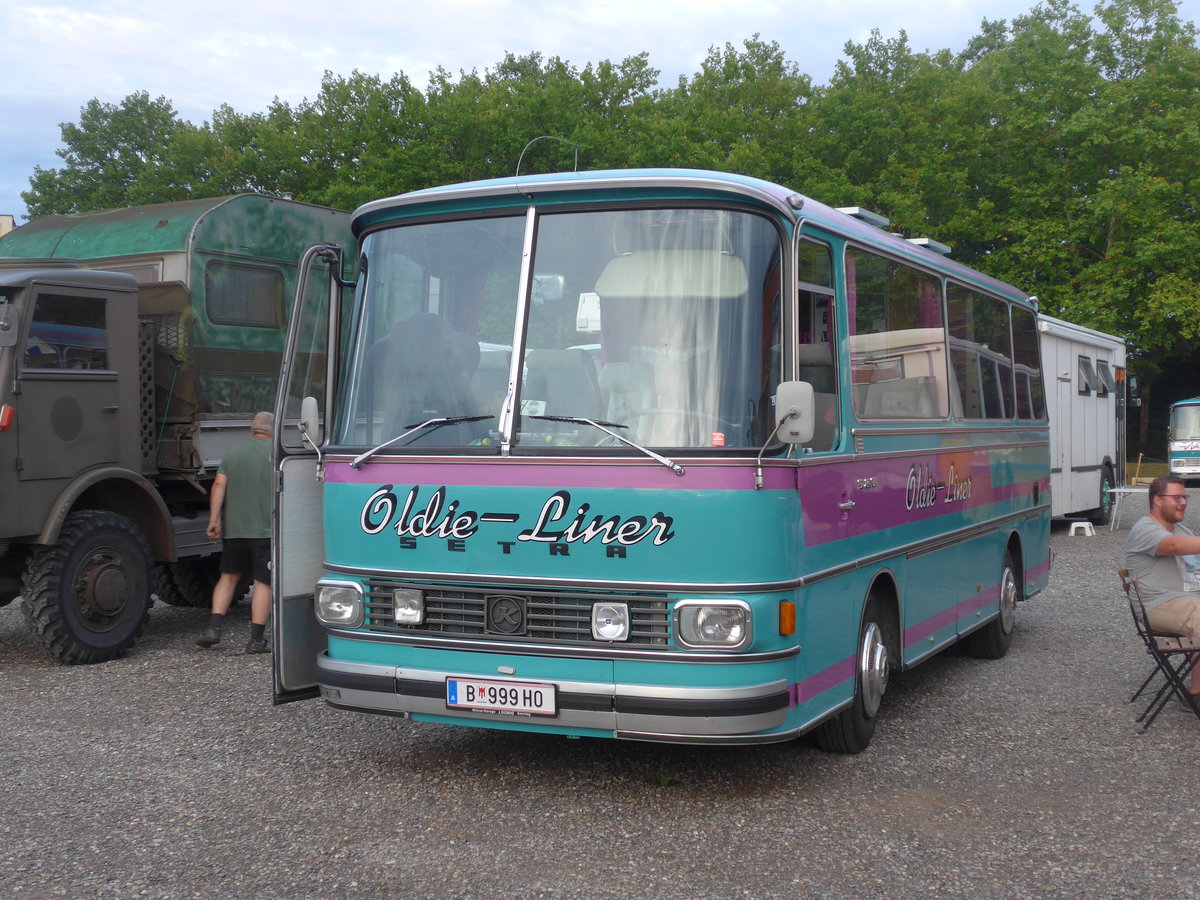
[(519, 616)]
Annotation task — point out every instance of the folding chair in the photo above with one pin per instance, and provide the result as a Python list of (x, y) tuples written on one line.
[(1174, 658)]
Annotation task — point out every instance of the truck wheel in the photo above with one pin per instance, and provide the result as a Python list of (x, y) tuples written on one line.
[(851, 730), (87, 598), (165, 586), (195, 579)]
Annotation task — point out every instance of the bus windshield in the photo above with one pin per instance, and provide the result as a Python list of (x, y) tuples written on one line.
[(1185, 422), (660, 324)]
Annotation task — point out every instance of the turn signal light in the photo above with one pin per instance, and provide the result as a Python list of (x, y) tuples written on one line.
[(7, 414), (787, 617)]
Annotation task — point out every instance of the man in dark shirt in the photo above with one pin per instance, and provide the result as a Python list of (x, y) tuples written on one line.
[(240, 515)]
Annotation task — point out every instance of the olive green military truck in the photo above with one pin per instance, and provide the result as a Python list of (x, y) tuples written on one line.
[(135, 347)]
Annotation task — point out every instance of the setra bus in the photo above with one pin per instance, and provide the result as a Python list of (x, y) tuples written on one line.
[(661, 455), (1183, 439)]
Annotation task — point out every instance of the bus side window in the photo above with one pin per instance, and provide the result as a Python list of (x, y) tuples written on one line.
[(980, 354), (897, 340)]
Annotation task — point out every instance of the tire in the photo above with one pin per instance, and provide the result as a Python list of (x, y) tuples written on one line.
[(993, 639), (195, 579), (87, 597), (166, 588), (851, 730), (1103, 513)]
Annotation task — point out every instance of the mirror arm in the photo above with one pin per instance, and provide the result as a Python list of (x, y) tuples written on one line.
[(758, 467)]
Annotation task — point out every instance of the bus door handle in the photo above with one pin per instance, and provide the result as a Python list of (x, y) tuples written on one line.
[(112, 407), (846, 505)]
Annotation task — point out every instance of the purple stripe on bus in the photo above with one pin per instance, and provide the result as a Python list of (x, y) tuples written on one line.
[(922, 630), (541, 474), (862, 498), (823, 681)]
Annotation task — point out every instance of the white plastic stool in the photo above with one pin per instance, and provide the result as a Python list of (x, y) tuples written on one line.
[(1085, 527)]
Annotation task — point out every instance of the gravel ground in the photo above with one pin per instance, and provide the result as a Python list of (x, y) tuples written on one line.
[(169, 774)]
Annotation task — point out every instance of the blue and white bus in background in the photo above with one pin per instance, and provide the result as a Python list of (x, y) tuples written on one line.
[(1183, 439), (660, 455)]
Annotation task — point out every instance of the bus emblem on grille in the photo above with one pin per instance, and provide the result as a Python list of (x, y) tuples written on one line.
[(506, 615)]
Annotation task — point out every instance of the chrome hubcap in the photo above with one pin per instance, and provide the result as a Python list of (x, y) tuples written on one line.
[(872, 668), (1008, 600)]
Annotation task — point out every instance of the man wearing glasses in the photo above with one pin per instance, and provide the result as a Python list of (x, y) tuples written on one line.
[(1159, 555)]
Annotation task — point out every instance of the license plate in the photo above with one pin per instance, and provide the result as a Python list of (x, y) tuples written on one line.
[(512, 698)]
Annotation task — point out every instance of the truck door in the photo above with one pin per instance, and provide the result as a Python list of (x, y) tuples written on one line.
[(298, 547), (69, 395)]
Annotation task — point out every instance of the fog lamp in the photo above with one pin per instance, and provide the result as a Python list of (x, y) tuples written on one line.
[(701, 623), (339, 603), (408, 606), (610, 621)]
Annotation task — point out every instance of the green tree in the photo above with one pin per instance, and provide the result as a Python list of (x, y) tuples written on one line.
[(115, 156)]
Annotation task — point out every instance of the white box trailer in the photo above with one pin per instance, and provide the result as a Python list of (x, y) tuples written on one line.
[(1086, 399)]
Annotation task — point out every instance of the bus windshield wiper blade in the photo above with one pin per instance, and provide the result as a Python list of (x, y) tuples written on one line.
[(428, 423), (607, 428)]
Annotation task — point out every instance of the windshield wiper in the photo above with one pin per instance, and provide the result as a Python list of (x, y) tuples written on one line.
[(428, 423), (607, 427)]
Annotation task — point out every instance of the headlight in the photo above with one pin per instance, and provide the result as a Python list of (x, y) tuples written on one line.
[(340, 603), (610, 621), (705, 624), (408, 606)]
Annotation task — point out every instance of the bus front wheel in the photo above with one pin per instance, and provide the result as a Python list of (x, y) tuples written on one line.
[(851, 730)]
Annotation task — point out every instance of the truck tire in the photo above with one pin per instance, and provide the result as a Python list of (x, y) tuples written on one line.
[(165, 587), (87, 598), (196, 579)]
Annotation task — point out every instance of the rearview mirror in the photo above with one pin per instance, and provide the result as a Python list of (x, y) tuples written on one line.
[(795, 412), (310, 421), (8, 322)]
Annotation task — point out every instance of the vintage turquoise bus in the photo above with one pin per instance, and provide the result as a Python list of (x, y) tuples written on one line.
[(662, 455)]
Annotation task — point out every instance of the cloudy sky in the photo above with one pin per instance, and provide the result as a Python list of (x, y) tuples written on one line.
[(59, 55)]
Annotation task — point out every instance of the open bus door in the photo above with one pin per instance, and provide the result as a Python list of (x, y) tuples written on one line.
[(306, 385)]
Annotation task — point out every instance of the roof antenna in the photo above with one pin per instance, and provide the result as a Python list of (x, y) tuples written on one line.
[(542, 137)]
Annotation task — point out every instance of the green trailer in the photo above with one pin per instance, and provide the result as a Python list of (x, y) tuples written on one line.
[(135, 347)]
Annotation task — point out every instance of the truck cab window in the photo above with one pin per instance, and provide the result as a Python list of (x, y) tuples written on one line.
[(67, 332)]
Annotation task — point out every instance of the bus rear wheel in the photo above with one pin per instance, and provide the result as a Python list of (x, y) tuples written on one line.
[(993, 639), (851, 730)]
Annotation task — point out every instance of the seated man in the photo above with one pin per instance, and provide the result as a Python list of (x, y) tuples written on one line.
[(1154, 555)]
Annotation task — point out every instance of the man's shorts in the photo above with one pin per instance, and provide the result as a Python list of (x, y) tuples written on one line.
[(247, 556), (1179, 615)]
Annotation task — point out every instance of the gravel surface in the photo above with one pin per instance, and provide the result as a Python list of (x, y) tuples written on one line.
[(169, 774)]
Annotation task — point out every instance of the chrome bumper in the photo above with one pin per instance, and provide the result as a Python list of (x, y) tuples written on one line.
[(634, 711)]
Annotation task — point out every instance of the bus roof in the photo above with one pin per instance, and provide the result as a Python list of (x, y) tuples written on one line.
[(517, 191)]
